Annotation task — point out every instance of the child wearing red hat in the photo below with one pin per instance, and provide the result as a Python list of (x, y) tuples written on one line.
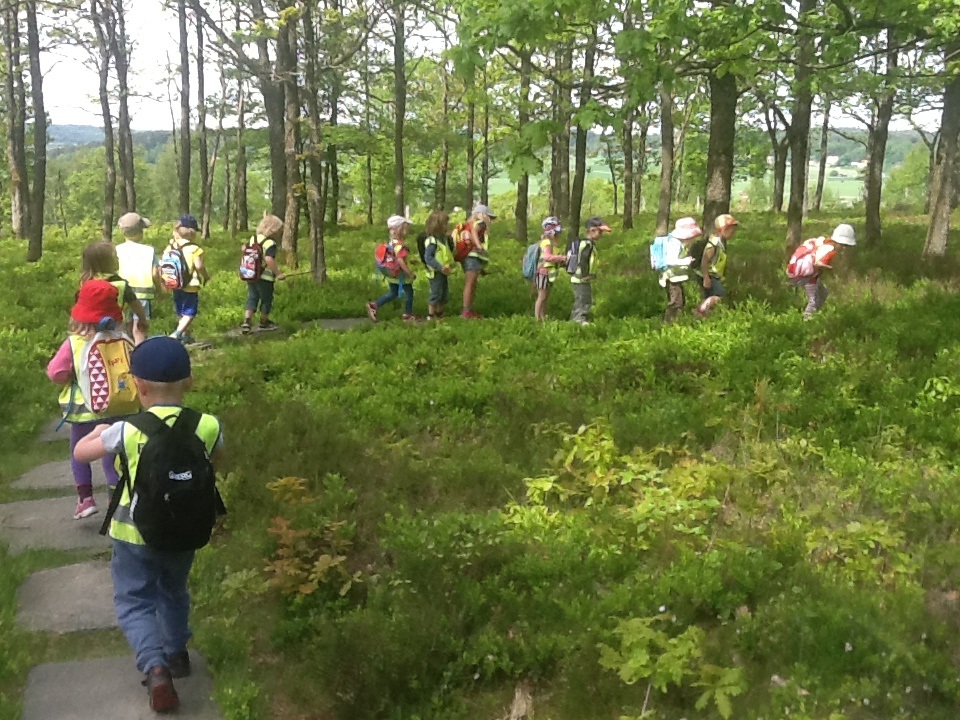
[(97, 310)]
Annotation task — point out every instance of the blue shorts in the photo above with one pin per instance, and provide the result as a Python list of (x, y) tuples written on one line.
[(715, 290), (472, 264), (186, 303)]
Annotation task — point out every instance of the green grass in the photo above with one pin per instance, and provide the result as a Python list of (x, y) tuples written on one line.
[(782, 489)]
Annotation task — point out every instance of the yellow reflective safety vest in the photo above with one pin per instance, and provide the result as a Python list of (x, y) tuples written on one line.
[(443, 254), (74, 407), (136, 267), (122, 526)]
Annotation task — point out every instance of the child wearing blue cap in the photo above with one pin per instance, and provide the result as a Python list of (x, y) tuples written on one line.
[(150, 584), (186, 300)]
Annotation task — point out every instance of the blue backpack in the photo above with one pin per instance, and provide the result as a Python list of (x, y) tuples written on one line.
[(531, 260), (658, 253)]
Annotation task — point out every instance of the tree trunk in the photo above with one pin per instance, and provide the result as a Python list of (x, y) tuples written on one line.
[(39, 191), (723, 135), (628, 170), (876, 152), (580, 152), (120, 50), (931, 164), (941, 191), (103, 24), (184, 204), (369, 132), (608, 141), (16, 123), (800, 130), (563, 160), (227, 187), (400, 102), (781, 150), (287, 65), (523, 185), (639, 203), (471, 155), (556, 103), (666, 162), (207, 203), (824, 149), (485, 161), (203, 159), (240, 222), (316, 197)]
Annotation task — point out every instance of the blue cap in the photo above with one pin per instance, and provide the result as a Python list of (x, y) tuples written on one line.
[(160, 359), (188, 221)]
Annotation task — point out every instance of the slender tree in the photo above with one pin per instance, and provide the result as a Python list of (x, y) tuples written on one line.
[(16, 109), (580, 151), (120, 52), (185, 147), (38, 193), (101, 14)]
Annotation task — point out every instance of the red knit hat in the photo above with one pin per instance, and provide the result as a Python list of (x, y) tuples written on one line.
[(97, 299)]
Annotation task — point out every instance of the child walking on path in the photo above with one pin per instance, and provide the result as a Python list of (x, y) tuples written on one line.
[(399, 226), (809, 261), (438, 262), (584, 269), (138, 264), (99, 261), (678, 264), (260, 292), (186, 300), (713, 264), (150, 590), (476, 230), (547, 263), (97, 307)]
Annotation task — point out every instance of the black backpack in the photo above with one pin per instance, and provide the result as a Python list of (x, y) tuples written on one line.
[(422, 247), (696, 252), (174, 499)]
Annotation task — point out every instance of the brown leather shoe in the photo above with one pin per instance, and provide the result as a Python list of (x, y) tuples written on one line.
[(179, 664), (163, 696)]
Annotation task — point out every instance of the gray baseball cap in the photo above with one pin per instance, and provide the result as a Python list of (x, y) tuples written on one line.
[(133, 224), (483, 209)]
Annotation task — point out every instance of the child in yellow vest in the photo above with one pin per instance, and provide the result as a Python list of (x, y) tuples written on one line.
[(186, 301), (260, 292), (99, 261), (138, 264), (150, 590), (97, 301)]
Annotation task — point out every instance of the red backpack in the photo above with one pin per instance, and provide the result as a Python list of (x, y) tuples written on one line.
[(386, 260), (251, 261), (463, 242), (802, 263)]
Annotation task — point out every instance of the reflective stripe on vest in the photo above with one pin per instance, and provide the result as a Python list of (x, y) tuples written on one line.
[(266, 243), (71, 399), (577, 277), (136, 267), (122, 526)]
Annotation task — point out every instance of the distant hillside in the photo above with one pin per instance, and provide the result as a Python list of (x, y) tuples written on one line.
[(63, 136)]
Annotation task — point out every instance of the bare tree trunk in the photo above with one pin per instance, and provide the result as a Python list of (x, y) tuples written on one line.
[(184, 203), (563, 160), (556, 144), (445, 142), (580, 152), (39, 191), (203, 159), (316, 195), (369, 131), (240, 221), (723, 135), (608, 141), (227, 187), (877, 150), (16, 123), (800, 130), (207, 202), (287, 65), (400, 101), (471, 154), (104, 26), (120, 50), (485, 161), (628, 170), (523, 185), (639, 203), (824, 149), (666, 161), (941, 191)]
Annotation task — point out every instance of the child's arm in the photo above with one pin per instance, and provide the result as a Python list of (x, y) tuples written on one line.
[(90, 447), (550, 257), (60, 367), (201, 269), (406, 268), (271, 264), (708, 254)]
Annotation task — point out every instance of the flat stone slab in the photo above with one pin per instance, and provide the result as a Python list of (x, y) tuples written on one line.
[(57, 476), (342, 324), (110, 689), (68, 599), (49, 433), (49, 524)]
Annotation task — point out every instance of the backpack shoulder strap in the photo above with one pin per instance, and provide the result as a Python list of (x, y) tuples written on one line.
[(147, 423), (187, 420)]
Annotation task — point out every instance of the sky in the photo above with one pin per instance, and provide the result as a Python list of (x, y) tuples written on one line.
[(71, 88)]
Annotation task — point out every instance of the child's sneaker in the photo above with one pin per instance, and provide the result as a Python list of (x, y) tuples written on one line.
[(268, 325), (372, 311), (176, 335), (470, 315), (179, 664), (85, 508), (410, 318), (245, 326)]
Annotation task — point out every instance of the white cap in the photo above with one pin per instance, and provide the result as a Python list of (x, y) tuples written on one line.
[(845, 235), (481, 209), (398, 221)]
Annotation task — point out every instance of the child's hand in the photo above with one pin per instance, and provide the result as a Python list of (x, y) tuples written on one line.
[(447, 270), (281, 276)]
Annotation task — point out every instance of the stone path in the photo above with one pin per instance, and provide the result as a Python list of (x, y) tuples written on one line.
[(76, 598)]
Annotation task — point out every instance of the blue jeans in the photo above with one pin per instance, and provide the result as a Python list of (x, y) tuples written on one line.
[(260, 294), (394, 292), (152, 601)]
